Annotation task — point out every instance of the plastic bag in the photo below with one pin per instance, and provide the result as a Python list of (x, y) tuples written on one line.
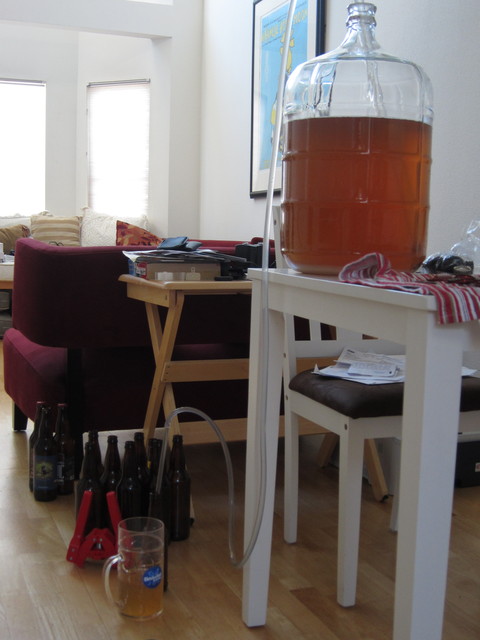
[(462, 258)]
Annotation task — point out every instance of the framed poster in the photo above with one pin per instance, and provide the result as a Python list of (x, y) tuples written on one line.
[(306, 41)]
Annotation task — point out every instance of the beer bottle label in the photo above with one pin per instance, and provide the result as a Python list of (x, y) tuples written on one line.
[(45, 472), (65, 469)]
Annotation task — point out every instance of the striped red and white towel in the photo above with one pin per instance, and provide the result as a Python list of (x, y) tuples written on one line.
[(458, 296)]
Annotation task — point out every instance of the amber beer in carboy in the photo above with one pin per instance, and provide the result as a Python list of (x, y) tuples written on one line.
[(356, 161)]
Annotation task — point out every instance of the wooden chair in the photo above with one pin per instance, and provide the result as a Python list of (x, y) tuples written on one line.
[(321, 347), (355, 413)]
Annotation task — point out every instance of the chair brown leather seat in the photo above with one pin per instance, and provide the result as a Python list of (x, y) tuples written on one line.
[(358, 400)]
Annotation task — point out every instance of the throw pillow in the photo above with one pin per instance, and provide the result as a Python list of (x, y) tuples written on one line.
[(130, 234), (56, 230), (100, 229), (9, 236)]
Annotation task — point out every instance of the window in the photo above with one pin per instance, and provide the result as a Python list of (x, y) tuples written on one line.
[(22, 148), (118, 147)]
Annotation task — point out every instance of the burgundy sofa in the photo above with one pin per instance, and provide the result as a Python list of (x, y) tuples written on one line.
[(77, 338)]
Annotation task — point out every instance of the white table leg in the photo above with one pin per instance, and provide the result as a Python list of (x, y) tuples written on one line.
[(257, 570), (426, 478)]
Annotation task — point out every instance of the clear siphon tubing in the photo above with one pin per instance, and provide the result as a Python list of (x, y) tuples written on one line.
[(228, 462), (264, 341)]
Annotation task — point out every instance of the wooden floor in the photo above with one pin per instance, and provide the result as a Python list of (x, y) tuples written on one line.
[(43, 596)]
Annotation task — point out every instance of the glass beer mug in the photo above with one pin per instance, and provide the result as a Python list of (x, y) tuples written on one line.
[(356, 161), (139, 564)]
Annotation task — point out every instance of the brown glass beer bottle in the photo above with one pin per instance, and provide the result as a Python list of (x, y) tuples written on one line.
[(45, 461), (142, 469), (129, 490), (65, 451), (90, 481), (32, 440), (112, 471), (93, 438), (159, 502), (179, 480)]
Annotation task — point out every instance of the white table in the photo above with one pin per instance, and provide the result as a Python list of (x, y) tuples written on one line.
[(6, 273), (429, 430)]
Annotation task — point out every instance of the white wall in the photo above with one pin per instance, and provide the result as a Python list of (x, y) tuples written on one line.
[(439, 35), (104, 57), (103, 16), (184, 124), (50, 55), (226, 208)]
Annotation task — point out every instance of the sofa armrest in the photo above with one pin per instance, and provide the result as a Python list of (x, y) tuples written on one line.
[(71, 297)]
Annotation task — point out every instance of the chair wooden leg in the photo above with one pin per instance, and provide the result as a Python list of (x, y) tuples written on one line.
[(290, 517), (375, 471), (372, 461), (168, 403), (396, 484), (19, 419), (327, 447)]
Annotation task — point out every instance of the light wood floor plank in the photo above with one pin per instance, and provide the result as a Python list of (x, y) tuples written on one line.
[(43, 596)]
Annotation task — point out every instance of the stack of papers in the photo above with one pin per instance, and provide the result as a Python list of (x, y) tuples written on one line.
[(370, 368), (367, 368)]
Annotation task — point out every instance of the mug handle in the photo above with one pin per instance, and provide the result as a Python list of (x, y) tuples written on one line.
[(109, 563)]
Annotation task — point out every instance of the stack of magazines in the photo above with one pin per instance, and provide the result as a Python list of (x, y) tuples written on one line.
[(208, 264)]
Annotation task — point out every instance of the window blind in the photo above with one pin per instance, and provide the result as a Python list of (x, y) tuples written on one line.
[(118, 147)]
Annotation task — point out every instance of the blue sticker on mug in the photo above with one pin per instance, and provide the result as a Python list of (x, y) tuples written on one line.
[(152, 577)]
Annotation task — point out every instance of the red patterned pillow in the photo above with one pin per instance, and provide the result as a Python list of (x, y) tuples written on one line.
[(129, 234)]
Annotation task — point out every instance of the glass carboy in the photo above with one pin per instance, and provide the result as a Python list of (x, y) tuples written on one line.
[(357, 155)]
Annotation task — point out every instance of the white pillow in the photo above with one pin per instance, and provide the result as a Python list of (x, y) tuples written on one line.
[(10, 221), (99, 229)]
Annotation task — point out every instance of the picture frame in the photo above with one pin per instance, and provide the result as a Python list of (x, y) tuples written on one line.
[(307, 40)]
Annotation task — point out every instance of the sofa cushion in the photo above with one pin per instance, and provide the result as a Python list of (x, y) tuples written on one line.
[(131, 234), (117, 385), (34, 372), (9, 236), (56, 230), (100, 230)]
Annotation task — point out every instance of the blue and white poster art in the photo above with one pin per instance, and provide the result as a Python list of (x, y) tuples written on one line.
[(270, 21)]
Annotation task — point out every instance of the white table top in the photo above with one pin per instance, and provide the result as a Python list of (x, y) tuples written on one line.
[(6, 269)]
